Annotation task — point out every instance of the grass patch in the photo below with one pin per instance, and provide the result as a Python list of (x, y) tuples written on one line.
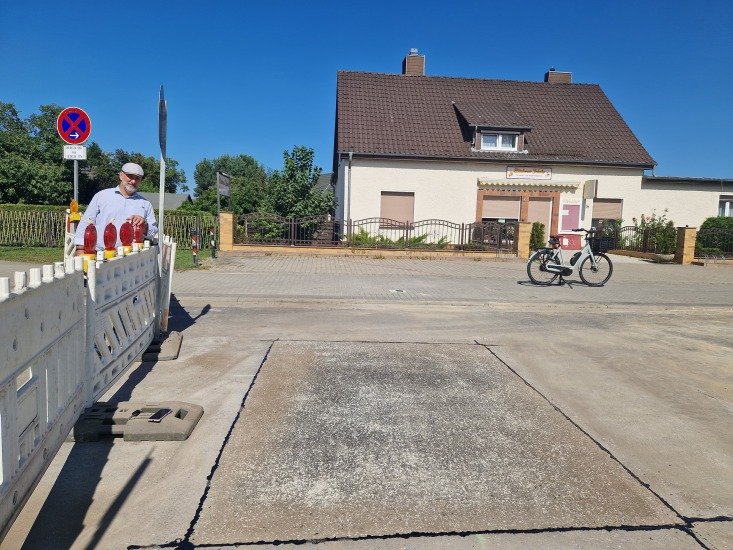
[(40, 255)]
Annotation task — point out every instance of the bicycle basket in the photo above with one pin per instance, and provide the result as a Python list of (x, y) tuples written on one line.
[(601, 244)]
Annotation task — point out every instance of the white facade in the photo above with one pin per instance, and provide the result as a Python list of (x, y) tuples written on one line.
[(451, 190)]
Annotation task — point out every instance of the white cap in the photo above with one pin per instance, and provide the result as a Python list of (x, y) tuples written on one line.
[(133, 169)]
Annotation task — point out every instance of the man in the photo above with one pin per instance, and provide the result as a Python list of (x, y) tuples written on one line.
[(118, 205)]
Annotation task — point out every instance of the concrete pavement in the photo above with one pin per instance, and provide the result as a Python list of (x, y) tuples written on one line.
[(377, 403)]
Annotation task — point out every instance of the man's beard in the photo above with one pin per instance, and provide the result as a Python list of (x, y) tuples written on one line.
[(129, 189)]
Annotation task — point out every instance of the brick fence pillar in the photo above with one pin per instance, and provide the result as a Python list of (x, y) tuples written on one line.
[(685, 251), (525, 229), (226, 231)]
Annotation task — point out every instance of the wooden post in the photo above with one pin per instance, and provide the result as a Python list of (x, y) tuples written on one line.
[(523, 234), (685, 251), (226, 231)]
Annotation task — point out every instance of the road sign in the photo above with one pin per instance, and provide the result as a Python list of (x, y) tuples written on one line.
[(222, 184), (162, 121), (75, 152), (73, 125)]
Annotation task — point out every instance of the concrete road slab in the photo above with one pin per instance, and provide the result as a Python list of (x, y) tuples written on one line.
[(357, 439), (717, 535), (112, 493), (580, 540)]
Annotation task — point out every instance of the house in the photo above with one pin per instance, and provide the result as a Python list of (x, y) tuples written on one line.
[(171, 201), (411, 147)]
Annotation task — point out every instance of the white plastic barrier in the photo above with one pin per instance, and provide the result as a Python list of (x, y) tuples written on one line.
[(121, 313), (62, 345), (42, 336)]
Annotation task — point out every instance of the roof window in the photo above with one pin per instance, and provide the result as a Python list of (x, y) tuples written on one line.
[(494, 141)]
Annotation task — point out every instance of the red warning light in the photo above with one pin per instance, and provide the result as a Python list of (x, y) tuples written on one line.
[(127, 233), (110, 236), (90, 239)]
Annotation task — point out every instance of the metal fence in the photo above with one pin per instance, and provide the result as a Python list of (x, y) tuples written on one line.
[(655, 241), (381, 233), (46, 228), (714, 243)]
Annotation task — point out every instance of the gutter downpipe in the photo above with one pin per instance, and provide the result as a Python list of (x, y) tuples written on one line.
[(348, 198)]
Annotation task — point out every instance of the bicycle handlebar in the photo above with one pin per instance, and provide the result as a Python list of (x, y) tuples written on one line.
[(591, 230)]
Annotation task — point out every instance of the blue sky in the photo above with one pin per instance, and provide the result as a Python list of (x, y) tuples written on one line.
[(260, 79)]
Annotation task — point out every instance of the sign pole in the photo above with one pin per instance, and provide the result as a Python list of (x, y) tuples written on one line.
[(218, 200), (76, 180), (162, 131)]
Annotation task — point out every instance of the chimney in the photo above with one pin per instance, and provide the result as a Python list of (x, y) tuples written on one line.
[(558, 77), (413, 64)]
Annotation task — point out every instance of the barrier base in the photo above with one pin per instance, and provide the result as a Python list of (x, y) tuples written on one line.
[(166, 349), (132, 421)]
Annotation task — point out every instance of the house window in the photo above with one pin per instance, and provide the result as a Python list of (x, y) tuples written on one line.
[(725, 206), (605, 213), (498, 142), (397, 209), (500, 209)]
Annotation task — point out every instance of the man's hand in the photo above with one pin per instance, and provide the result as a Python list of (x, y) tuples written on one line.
[(136, 219)]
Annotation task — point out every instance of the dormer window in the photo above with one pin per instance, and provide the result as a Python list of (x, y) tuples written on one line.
[(494, 141)]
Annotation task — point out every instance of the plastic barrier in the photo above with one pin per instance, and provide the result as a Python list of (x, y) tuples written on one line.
[(62, 345)]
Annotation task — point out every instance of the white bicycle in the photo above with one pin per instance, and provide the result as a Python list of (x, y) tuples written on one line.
[(594, 267)]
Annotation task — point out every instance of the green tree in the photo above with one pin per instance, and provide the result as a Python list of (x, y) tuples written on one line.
[(174, 177), (248, 184), (291, 191), (32, 169), (29, 173)]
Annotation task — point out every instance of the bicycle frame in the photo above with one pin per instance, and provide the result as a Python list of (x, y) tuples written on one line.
[(559, 265)]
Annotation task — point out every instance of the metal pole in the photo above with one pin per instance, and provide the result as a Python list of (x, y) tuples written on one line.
[(76, 180), (161, 208), (348, 192)]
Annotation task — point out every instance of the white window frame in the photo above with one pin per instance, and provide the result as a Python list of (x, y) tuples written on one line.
[(725, 206), (500, 137)]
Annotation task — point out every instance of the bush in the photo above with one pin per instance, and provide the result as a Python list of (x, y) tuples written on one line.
[(662, 232), (715, 237), (717, 222), (537, 236)]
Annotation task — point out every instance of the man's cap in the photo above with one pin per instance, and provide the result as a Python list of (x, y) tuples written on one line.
[(133, 169)]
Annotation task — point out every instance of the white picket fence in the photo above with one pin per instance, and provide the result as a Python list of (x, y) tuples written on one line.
[(62, 345)]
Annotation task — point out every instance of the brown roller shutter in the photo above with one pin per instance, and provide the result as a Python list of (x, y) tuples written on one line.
[(607, 209), (398, 206), (501, 207), (540, 210)]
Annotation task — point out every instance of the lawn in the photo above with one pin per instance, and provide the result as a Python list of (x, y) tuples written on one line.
[(44, 255)]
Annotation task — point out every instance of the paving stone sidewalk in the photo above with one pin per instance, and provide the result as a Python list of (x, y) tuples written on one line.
[(280, 277)]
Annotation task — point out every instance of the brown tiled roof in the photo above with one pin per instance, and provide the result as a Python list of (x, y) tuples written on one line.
[(492, 114), (398, 115)]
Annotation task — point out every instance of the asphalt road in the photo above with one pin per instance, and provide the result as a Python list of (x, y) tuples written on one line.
[(379, 403)]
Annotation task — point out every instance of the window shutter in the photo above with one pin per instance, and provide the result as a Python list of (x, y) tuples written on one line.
[(398, 206), (501, 207), (607, 209)]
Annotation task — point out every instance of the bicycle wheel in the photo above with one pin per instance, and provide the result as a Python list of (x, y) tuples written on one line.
[(596, 275), (536, 268)]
